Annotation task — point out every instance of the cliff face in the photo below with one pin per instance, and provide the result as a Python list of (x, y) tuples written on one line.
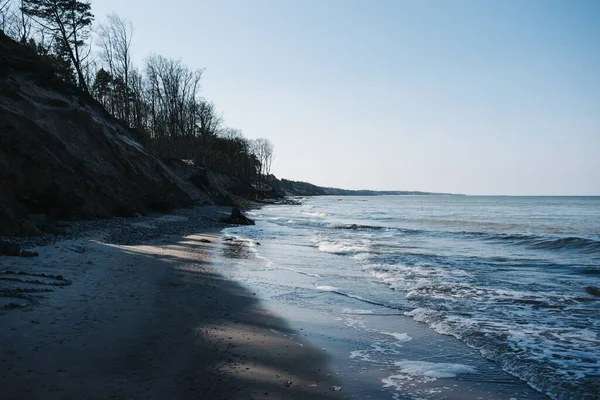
[(63, 155)]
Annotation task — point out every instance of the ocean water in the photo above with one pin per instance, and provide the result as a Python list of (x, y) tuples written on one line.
[(515, 278)]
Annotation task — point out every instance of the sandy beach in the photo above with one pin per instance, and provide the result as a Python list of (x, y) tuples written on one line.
[(92, 320)]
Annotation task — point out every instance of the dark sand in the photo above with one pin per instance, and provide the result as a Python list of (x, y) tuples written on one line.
[(147, 322)]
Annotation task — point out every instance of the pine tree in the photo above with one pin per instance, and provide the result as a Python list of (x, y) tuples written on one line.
[(68, 20), (61, 62)]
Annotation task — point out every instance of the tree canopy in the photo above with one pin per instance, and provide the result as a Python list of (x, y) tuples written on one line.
[(69, 21)]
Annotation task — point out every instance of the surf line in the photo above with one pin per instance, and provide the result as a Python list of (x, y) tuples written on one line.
[(361, 299)]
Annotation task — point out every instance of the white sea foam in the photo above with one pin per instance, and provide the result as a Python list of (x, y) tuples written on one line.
[(423, 372), (328, 288), (315, 214), (412, 372), (375, 353), (363, 355), (402, 337), (433, 370), (340, 247), (357, 311), (361, 256), (405, 277)]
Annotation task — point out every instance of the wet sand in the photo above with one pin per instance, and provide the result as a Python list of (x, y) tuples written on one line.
[(96, 321), (377, 352)]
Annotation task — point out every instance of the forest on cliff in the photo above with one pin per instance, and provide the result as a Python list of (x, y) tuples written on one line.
[(160, 102)]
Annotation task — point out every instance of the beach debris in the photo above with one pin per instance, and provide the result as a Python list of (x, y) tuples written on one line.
[(336, 388)]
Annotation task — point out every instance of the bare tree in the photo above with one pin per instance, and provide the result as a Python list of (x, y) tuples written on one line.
[(263, 150), (230, 133), (14, 22), (4, 5), (114, 42), (5, 15), (177, 113)]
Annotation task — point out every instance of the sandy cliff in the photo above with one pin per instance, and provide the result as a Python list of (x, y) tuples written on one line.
[(63, 156)]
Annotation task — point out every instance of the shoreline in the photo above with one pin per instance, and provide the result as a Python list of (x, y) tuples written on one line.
[(377, 350), (153, 320)]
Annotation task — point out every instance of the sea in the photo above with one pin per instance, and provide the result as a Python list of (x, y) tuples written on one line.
[(424, 296)]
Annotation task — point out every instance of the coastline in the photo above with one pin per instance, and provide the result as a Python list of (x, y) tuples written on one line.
[(152, 320), (378, 349)]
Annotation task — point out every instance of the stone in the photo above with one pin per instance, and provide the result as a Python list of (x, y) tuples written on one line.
[(237, 218)]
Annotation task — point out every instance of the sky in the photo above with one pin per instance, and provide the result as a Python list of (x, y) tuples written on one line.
[(476, 97)]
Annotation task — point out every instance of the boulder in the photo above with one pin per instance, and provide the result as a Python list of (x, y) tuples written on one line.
[(237, 218)]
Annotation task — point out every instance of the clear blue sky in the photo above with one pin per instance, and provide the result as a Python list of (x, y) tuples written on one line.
[(477, 97)]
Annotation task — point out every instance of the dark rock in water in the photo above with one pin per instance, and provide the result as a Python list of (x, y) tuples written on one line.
[(10, 249), (237, 218), (204, 241), (594, 291)]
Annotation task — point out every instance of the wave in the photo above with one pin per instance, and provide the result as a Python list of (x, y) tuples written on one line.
[(586, 245), (336, 290), (361, 227), (315, 214)]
